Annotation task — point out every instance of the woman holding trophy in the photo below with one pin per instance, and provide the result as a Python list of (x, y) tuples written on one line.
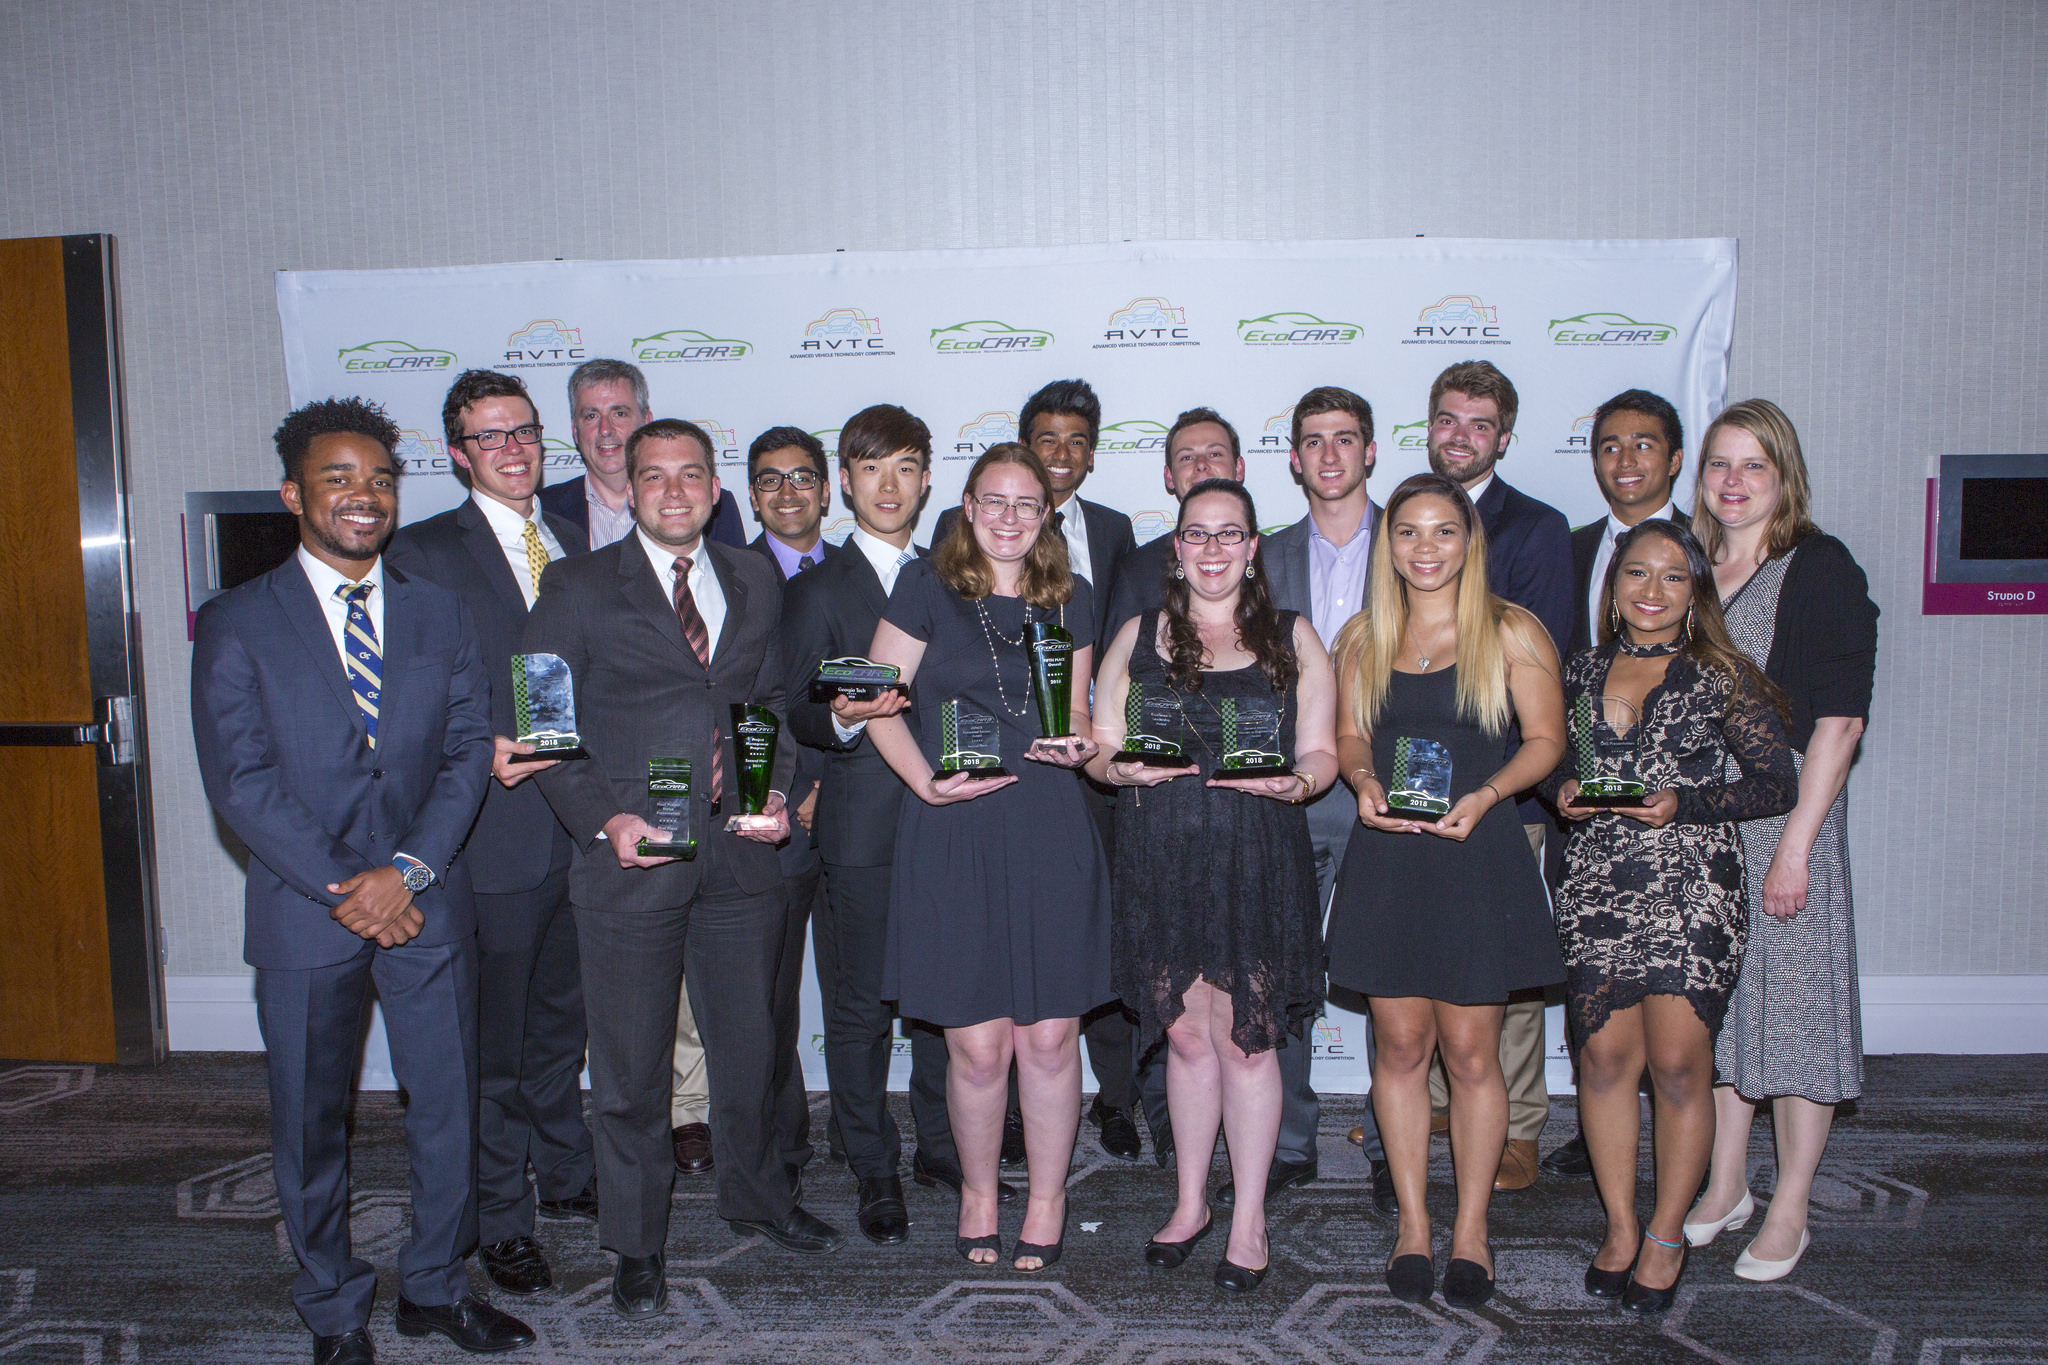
[(999, 905), (1650, 913), (1215, 721), (1439, 910)]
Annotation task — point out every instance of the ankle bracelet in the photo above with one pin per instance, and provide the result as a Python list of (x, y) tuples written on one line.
[(1662, 1243)]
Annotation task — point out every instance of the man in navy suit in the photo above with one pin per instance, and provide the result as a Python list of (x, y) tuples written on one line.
[(341, 711), (608, 402), (490, 551), (1472, 409)]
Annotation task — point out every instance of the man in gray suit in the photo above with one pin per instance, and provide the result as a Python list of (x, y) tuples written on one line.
[(1318, 567), (664, 633)]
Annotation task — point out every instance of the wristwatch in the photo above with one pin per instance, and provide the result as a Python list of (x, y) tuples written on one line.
[(418, 876)]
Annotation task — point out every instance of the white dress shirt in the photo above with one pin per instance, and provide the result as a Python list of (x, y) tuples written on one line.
[(704, 585), (510, 529), (325, 579), (1611, 532), (1477, 493), (1074, 526), (888, 562), (606, 526)]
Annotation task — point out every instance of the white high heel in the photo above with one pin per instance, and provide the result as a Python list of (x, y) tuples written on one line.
[(1748, 1267), (1701, 1234)]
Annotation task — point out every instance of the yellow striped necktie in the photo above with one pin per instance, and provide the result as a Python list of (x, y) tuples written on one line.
[(536, 554), (362, 656)]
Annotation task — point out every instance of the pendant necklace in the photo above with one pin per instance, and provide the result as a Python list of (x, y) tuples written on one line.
[(1421, 658)]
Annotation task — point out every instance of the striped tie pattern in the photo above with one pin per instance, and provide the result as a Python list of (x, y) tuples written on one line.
[(361, 655), (536, 555), (699, 638)]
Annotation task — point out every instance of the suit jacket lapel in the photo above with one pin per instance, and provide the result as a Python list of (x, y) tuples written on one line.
[(1096, 519), (482, 543), (296, 599), (866, 582), (636, 581), (735, 596)]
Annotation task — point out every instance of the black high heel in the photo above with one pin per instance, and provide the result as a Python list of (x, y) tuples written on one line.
[(1610, 1284), (1466, 1284), (1172, 1255), (1412, 1279), (1644, 1299)]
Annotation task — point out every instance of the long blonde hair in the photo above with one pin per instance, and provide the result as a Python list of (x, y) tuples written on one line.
[(1792, 519), (1371, 640), (1046, 580)]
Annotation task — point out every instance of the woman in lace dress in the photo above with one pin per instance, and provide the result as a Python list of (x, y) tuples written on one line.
[(1650, 915)]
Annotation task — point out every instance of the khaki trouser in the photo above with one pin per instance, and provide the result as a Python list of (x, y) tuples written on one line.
[(1521, 1053), (690, 1099)]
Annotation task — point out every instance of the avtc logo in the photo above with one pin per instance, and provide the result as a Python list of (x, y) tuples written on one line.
[(725, 448), (685, 344), (1609, 329), (991, 428), (1581, 439), (1409, 436), (1328, 1040), (988, 335), (1462, 319), (393, 357), (545, 341), (844, 331), (1127, 438), (1296, 329), (1279, 430), (1150, 525), (1147, 322), (419, 453)]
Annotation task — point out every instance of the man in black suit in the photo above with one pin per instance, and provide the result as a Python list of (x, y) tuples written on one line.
[(1472, 409), (490, 551), (608, 402), (664, 633), (1062, 423), (342, 716)]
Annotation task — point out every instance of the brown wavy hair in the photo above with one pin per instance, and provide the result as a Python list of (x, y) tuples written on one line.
[(1705, 637), (1047, 580), (1258, 623)]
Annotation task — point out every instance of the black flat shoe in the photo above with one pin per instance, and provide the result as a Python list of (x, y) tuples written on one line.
[(1282, 1175), (992, 1242), (1383, 1197), (469, 1322), (349, 1348), (1466, 1284), (516, 1266), (1048, 1256), (932, 1173), (1172, 1255), (1644, 1299), (1607, 1284), (639, 1288), (1240, 1279), (882, 1217), (1412, 1279)]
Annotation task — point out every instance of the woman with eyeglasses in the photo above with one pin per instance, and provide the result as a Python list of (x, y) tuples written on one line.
[(1217, 925), (999, 909)]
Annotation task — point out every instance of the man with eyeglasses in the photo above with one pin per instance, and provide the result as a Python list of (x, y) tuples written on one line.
[(491, 551)]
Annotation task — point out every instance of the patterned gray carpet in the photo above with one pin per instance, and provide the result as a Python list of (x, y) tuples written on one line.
[(138, 1223)]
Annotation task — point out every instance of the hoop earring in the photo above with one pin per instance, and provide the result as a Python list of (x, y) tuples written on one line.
[(1178, 572), (1614, 615)]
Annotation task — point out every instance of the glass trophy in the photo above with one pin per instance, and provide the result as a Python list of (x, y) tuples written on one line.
[(970, 741), (1251, 738), (668, 793), (855, 677), (1603, 741), (1419, 787), (754, 732), (1052, 676), (1149, 716), (544, 708)]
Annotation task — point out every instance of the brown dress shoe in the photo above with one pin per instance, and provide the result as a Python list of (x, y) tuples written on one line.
[(1517, 1165), (1439, 1123), (1356, 1137), (693, 1148)]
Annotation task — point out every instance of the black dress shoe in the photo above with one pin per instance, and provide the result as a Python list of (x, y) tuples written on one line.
[(1013, 1139), (1162, 1149), (1240, 1279), (1607, 1284), (469, 1322), (1383, 1197), (692, 1143), (1119, 1131), (582, 1204), (1411, 1279), (1466, 1284), (798, 1231), (516, 1265), (1644, 1299), (1572, 1159), (639, 1286), (932, 1173), (883, 1219), (1283, 1174), (350, 1348), (796, 1181), (1172, 1255)]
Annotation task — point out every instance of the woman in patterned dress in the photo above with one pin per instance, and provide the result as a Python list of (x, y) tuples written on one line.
[(1797, 604), (1650, 914)]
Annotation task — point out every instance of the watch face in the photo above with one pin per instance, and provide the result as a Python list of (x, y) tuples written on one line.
[(418, 878)]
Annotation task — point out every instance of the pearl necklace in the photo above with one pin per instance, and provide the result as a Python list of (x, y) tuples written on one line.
[(991, 634)]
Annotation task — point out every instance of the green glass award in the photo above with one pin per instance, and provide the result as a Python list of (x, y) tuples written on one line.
[(855, 677), (1419, 787), (1603, 741), (668, 795), (754, 732), (1052, 676), (1150, 714), (1251, 738), (544, 708), (970, 741)]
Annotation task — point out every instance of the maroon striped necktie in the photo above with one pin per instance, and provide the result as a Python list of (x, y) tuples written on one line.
[(699, 638)]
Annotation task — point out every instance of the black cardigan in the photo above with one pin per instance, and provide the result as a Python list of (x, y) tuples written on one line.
[(1824, 649)]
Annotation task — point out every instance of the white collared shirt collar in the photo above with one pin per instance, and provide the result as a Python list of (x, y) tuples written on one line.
[(510, 529), (325, 578), (1074, 526), (886, 558), (1477, 493), (705, 588)]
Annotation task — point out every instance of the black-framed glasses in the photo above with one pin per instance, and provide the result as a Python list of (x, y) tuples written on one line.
[(1027, 509), (803, 480), (1195, 535), (528, 435)]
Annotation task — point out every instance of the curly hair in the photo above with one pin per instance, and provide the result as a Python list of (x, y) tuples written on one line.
[(332, 417), (472, 386), (1258, 624)]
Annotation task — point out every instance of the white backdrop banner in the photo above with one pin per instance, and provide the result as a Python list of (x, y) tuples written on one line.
[(962, 338)]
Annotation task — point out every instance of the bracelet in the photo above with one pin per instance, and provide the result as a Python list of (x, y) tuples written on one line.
[(1308, 786), (1367, 771), (1496, 791)]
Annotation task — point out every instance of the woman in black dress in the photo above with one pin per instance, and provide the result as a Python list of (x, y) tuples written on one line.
[(999, 902), (1798, 605), (1217, 927), (1650, 914), (1437, 921)]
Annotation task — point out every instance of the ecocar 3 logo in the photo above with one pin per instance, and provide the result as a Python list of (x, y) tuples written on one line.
[(1296, 329), (684, 345), (1147, 322), (991, 428), (843, 332), (1609, 329), (1457, 320), (544, 342), (393, 357), (987, 335), (556, 454), (1128, 438), (1409, 436)]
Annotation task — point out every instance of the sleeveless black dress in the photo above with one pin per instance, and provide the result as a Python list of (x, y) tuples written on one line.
[(1413, 914), (1215, 883)]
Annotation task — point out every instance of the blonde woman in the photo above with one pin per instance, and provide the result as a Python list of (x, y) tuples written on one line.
[(1436, 921)]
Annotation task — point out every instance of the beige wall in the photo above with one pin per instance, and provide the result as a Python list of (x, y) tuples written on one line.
[(1884, 165)]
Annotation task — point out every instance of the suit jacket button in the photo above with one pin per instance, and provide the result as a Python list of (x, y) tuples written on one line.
[(376, 772)]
